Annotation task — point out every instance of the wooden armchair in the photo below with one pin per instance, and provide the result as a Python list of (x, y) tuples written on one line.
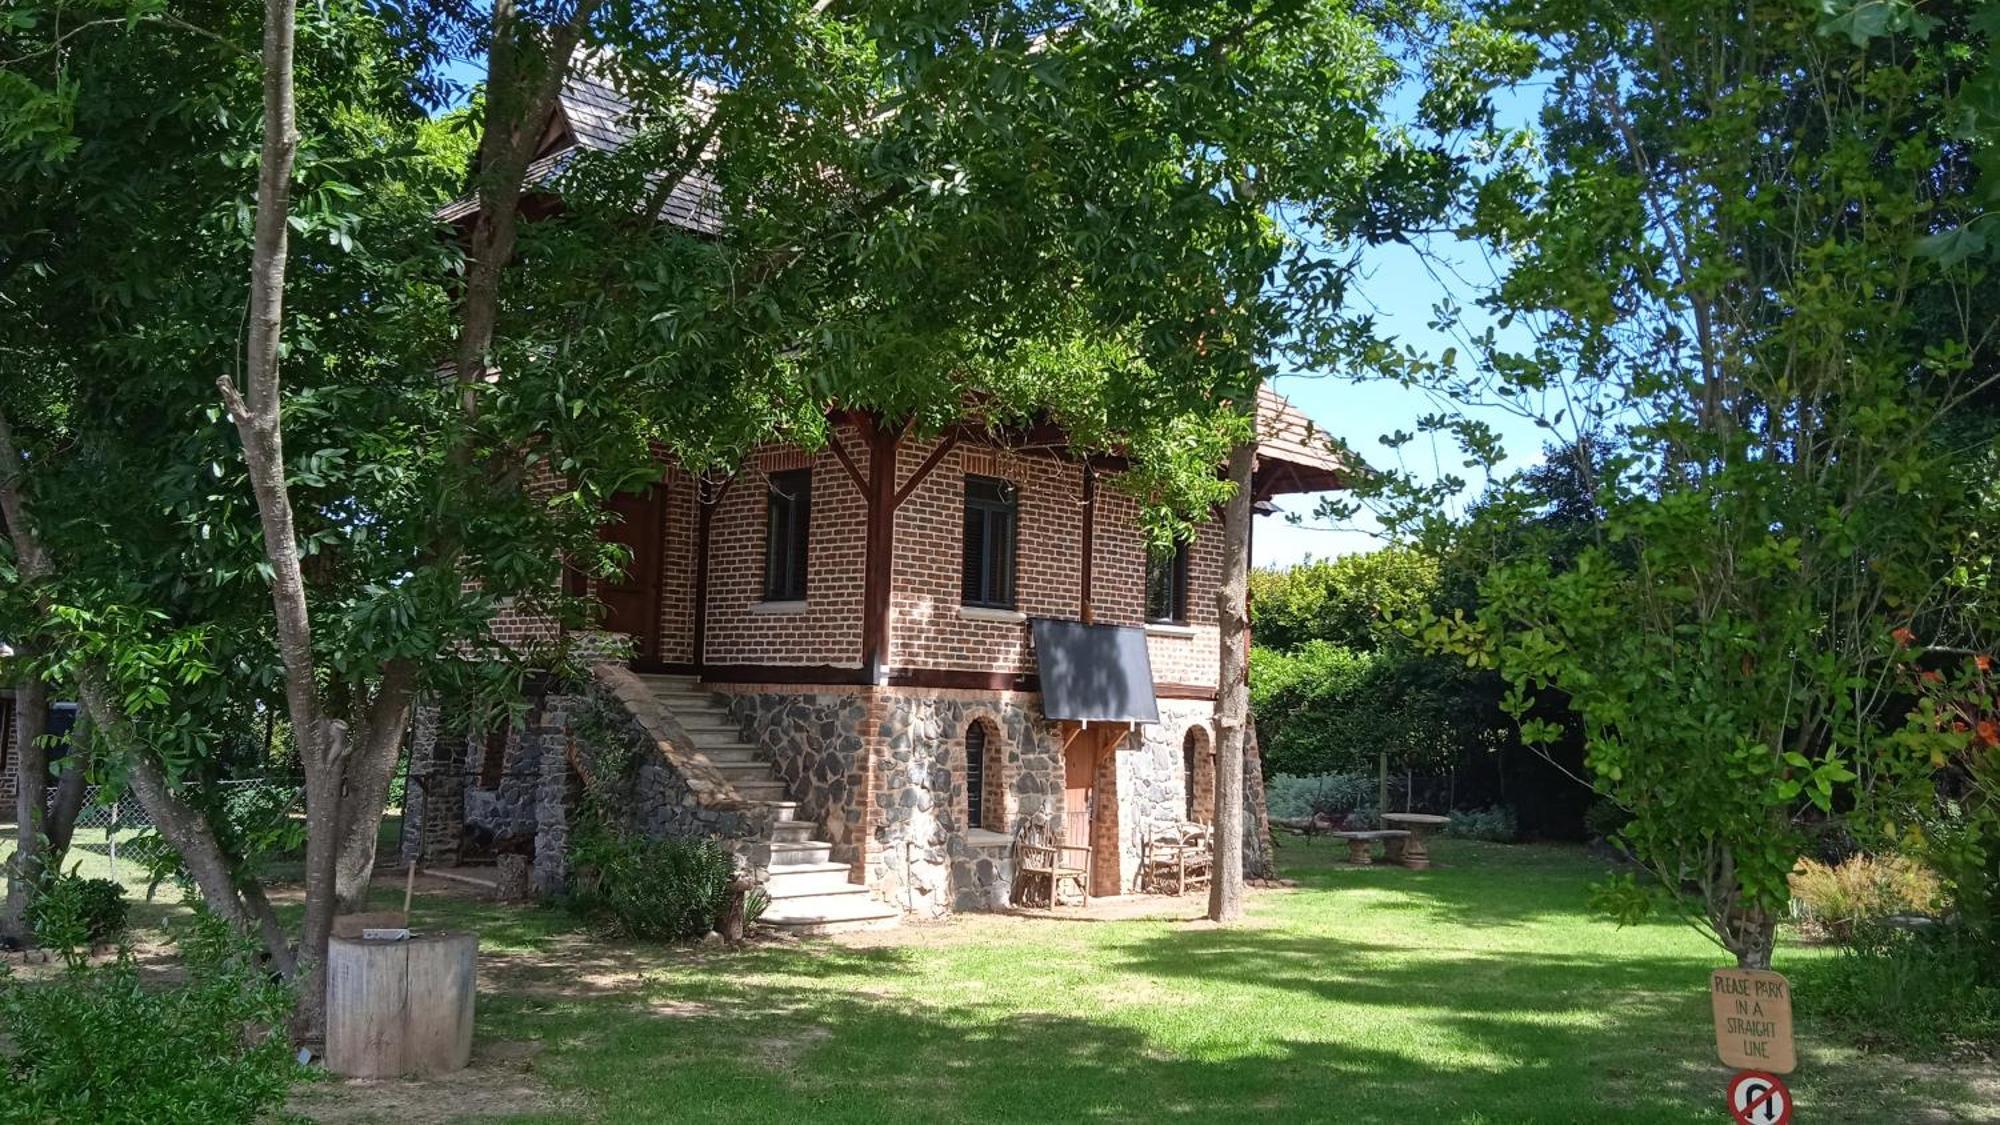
[(1178, 856), (1047, 871)]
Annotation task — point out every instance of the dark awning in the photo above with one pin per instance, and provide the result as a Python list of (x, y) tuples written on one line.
[(1098, 673)]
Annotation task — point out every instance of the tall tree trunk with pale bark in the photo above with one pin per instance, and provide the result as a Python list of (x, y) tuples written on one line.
[(1232, 701)]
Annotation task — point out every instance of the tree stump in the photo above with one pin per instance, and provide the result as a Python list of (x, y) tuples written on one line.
[(511, 884), (735, 909), (397, 1008)]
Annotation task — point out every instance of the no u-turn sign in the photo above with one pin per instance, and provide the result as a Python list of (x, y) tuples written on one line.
[(1757, 1098)]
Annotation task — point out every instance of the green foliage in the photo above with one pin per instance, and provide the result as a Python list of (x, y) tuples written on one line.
[(71, 914), (1605, 818), (1324, 708), (1333, 795), (1718, 251), (254, 824), (636, 886), (1919, 992), (1353, 601), (1833, 900), (97, 1044), (1495, 825)]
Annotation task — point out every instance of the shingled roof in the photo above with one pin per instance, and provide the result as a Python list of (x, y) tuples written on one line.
[(592, 116), (1293, 453)]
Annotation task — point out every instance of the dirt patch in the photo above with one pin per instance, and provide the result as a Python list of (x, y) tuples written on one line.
[(501, 1082)]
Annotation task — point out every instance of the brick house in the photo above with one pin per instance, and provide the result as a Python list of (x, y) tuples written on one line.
[(847, 662)]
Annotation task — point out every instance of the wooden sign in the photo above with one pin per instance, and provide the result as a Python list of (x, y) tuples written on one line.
[(1753, 1020)]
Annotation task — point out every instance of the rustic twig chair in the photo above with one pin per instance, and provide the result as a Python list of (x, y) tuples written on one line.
[(1179, 856), (1046, 870)]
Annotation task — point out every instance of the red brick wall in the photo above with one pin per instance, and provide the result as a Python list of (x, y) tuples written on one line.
[(828, 630), (927, 628), (681, 509)]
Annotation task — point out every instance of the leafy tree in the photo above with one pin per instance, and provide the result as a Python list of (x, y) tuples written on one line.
[(1722, 260), (1350, 601)]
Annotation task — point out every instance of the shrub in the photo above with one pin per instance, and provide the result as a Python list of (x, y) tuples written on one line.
[(1332, 795), (1832, 900), (94, 1044), (1604, 818), (1495, 824), (1915, 991), (71, 913), (661, 890)]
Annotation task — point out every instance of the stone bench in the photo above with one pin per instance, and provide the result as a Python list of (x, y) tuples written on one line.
[(1361, 845)]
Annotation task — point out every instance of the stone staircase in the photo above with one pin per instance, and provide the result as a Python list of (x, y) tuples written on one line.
[(810, 893)]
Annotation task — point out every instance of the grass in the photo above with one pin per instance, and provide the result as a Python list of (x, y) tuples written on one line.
[(1478, 991)]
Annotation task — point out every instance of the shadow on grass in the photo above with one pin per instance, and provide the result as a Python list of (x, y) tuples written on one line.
[(727, 1052)]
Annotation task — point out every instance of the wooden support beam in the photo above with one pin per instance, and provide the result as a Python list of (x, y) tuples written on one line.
[(881, 493), (944, 448), (1087, 610), (846, 460)]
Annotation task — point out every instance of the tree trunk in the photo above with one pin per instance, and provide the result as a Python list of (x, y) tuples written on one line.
[(68, 801), (1259, 854), (24, 872), (1232, 710), (323, 801), (186, 830), (378, 741)]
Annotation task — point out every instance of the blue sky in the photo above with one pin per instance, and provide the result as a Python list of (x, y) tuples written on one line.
[(1402, 289)]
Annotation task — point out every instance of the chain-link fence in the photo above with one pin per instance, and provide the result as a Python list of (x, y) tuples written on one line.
[(125, 814)]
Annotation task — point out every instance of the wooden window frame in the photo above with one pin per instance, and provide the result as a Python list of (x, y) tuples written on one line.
[(787, 535), (1175, 612), (976, 765), (988, 581)]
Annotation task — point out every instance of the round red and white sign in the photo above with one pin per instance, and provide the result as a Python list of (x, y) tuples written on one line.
[(1757, 1098)]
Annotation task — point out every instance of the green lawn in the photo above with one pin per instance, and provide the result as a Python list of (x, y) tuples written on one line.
[(1478, 991)]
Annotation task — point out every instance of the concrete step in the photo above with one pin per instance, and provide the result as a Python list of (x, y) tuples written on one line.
[(717, 743), (735, 755), (694, 702), (703, 723), (830, 914), (793, 831), (787, 852), (785, 882), (783, 811), (739, 770), (763, 790), (664, 679)]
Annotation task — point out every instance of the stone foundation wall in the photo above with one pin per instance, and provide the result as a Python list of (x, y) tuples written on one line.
[(927, 859), (450, 817), (1152, 778), (636, 786), (814, 741), (919, 853)]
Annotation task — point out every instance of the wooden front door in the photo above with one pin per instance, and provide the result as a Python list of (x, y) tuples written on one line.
[(1090, 803), (1079, 777), (632, 601)]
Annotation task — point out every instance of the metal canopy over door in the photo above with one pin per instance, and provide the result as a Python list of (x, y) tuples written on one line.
[(632, 601)]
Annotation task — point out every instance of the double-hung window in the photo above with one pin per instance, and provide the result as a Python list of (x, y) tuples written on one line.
[(787, 525), (990, 519)]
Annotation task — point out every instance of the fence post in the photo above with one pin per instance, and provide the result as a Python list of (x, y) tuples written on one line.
[(111, 840)]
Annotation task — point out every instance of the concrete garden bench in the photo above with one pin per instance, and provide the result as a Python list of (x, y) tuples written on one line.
[(1361, 845)]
